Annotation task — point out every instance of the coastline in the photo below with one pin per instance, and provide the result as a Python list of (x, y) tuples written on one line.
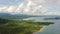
[(40, 29)]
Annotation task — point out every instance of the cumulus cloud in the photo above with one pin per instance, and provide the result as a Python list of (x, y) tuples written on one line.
[(6, 9), (20, 8), (32, 7), (11, 9), (3, 9)]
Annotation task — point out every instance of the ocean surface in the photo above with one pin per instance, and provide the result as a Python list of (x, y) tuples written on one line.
[(51, 29)]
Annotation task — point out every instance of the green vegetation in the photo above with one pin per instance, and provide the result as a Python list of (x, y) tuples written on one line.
[(51, 18), (20, 27)]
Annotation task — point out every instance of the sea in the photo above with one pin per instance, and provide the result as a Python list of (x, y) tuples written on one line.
[(51, 29)]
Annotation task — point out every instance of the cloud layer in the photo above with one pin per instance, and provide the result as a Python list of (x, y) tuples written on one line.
[(33, 7)]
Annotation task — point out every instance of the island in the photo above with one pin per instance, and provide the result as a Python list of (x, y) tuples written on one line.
[(56, 18), (8, 26)]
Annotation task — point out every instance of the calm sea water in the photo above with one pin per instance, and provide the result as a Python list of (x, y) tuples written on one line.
[(51, 29)]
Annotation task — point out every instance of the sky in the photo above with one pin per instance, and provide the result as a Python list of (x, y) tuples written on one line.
[(31, 7)]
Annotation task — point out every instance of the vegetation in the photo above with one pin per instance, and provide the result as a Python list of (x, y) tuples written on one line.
[(20, 27), (51, 18)]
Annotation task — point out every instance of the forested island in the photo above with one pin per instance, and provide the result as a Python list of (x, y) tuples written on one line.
[(52, 18), (8, 26)]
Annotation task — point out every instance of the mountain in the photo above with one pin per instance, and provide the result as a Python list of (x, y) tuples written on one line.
[(13, 16), (21, 16)]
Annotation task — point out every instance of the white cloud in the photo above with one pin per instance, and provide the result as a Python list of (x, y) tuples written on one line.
[(32, 7), (52, 13), (37, 1), (3, 9), (9, 9), (20, 8)]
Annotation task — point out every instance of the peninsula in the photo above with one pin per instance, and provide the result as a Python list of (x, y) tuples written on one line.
[(8, 26)]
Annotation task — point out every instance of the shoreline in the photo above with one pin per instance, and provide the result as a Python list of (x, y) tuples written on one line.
[(40, 29)]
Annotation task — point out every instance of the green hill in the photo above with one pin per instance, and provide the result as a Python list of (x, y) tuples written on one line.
[(8, 26)]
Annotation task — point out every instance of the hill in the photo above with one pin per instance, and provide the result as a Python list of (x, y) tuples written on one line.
[(8, 26), (13, 16)]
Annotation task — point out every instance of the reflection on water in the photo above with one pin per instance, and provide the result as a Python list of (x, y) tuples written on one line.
[(51, 29)]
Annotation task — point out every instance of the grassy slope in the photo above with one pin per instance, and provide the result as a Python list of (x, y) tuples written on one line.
[(20, 27)]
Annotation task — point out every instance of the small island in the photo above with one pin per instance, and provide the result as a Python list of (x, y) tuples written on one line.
[(8, 26), (56, 18)]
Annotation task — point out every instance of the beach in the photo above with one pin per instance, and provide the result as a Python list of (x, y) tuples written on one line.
[(40, 29)]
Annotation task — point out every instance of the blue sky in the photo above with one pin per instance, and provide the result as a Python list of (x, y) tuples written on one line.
[(46, 7)]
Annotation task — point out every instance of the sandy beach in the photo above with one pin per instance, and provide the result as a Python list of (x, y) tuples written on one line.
[(40, 29)]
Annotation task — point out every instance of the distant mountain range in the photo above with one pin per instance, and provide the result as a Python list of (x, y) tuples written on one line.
[(21, 16), (13, 16)]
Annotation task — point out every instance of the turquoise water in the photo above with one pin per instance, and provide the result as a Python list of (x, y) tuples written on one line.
[(51, 29)]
